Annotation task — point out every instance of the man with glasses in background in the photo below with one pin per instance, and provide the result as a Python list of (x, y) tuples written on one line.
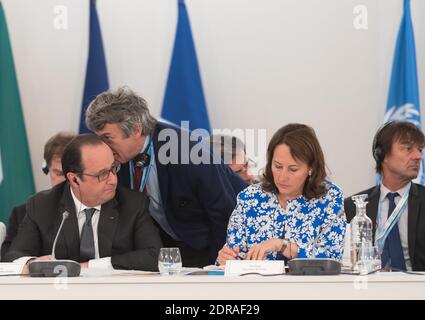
[(233, 153), (107, 226)]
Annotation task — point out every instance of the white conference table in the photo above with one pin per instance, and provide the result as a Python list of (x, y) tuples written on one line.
[(197, 287)]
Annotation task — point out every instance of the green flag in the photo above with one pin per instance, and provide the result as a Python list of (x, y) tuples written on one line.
[(16, 180)]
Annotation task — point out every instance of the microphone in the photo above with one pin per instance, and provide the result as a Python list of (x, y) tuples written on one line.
[(141, 160), (313, 265), (65, 216), (144, 158), (55, 268)]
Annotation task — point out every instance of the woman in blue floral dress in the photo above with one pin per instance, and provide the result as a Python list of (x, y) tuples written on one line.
[(294, 211)]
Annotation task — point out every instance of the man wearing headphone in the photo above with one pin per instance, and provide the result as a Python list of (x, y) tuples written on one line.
[(397, 205), (107, 226)]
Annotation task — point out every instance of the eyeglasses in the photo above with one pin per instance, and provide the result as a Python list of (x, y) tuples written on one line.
[(104, 174), (249, 164)]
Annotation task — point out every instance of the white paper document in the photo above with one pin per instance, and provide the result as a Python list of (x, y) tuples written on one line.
[(11, 268)]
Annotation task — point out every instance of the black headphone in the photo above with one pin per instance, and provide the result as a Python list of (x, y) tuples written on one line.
[(45, 168), (377, 149)]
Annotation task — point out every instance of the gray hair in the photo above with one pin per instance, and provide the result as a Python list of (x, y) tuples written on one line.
[(122, 107), (226, 147)]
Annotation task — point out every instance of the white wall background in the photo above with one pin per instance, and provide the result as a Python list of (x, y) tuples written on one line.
[(263, 64)]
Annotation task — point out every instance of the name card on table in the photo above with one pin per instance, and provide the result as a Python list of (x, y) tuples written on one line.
[(261, 267), (10, 268)]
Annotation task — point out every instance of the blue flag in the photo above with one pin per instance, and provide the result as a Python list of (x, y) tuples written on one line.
[(403, 95), (96, 73), (184, 98)]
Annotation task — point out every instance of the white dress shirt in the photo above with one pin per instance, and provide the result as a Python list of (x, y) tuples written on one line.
[(97, 263), (156, 206), (103, 263)]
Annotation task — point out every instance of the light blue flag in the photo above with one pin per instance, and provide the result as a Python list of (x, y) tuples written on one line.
[(403, 95), (96, 73), (184, 98)]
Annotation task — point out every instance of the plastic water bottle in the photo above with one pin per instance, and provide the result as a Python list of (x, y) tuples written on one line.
[(361, 232)]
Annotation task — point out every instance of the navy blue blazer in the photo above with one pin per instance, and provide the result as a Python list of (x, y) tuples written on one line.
[(198, 199)]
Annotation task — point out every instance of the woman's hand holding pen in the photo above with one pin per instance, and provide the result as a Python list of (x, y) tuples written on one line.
[(227, 253), (260, 251)]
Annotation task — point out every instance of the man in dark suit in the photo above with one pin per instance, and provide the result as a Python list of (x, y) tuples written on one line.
[(191, 200), (397, 150), (106, 227), (53, 150)]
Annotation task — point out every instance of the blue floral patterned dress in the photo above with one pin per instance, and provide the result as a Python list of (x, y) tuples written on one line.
[(258, 216)]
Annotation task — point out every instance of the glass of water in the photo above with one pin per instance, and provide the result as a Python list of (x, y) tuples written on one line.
[(369, 259), (376, 258), (169, 261)]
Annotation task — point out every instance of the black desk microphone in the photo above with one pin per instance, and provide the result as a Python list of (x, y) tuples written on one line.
[(55, 268), (316, 266)]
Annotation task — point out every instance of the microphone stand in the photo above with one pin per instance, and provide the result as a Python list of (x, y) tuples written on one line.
[(55, 268)]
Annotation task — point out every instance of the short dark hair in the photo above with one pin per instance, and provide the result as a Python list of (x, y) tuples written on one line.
[(303, 145), (71, 158), (403, 131), (55, 146)]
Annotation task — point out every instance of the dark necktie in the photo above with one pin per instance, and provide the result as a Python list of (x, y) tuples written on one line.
[(393, 252), (138, 171), (87, 238)]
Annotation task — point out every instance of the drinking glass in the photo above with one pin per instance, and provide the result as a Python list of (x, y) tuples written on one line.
[(369, 258), (376, 258), (169, 261)]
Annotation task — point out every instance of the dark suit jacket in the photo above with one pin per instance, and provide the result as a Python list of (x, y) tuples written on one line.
[(125, 231), (15, 219), (198, 199), (416, 220)]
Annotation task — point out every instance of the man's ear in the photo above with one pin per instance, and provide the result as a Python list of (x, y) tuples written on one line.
[(72, 178), (138, 132)]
